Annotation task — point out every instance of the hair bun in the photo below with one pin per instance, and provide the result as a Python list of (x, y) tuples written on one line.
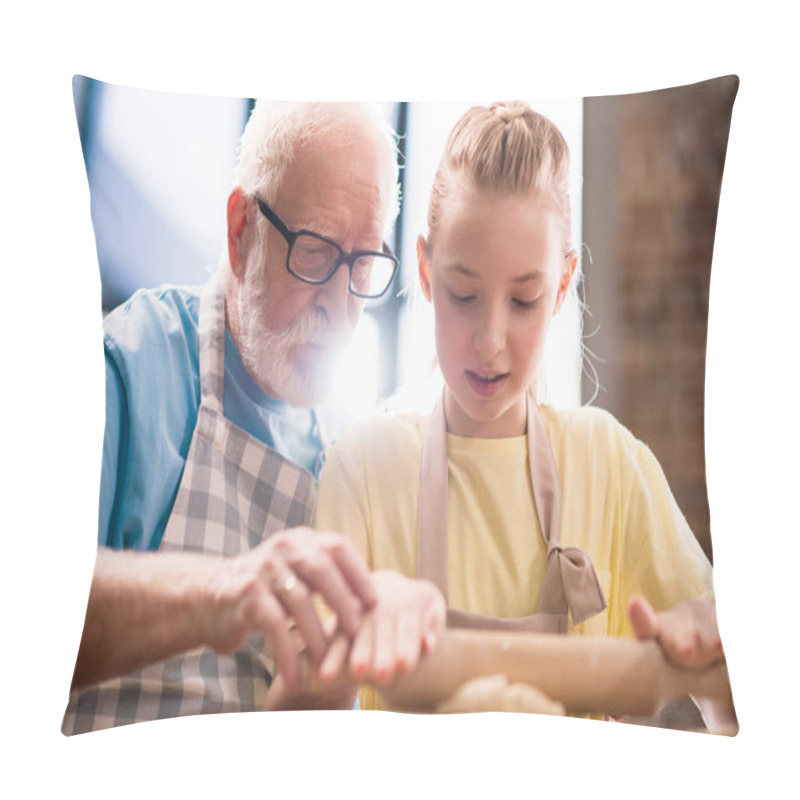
[(510, 111)]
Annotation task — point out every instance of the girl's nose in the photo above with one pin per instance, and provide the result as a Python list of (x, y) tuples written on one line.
[(491, 333)]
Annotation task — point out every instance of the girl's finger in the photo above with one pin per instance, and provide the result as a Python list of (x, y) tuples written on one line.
[(408, 641), (335, 659), (361, 652), (643, 618), (433, 623), (383, 652)]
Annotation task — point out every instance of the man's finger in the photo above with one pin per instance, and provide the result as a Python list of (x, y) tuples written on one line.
[(322, 575), (273, 623), (354, 570), (296, 599)]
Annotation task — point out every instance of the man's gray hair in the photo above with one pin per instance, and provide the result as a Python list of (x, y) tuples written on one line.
[(276, 129)]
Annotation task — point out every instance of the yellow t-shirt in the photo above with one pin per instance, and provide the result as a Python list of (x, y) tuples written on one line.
[(616, 506)]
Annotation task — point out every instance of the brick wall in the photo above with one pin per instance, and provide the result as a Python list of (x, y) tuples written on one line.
[(653, 167)]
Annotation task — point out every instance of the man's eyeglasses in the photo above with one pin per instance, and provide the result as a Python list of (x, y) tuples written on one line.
[(314, 259)]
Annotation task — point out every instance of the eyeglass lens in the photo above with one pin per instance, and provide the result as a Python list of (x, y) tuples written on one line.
[(313, 259)]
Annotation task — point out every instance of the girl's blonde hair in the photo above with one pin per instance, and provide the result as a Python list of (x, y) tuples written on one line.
[(505, 147)]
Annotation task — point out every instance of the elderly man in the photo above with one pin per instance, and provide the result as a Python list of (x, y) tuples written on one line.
[(205, 585)]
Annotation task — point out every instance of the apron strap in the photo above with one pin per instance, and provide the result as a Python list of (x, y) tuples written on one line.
[(544, 477), (211, 330), (571, 581), (432, 530)]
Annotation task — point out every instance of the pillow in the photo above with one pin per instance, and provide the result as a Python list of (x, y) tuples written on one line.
[(647, 172)]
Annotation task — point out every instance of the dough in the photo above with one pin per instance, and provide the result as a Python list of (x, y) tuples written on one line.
[(495, 693)]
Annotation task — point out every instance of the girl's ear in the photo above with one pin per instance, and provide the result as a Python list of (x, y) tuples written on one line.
[(424, 268), (567, 272)]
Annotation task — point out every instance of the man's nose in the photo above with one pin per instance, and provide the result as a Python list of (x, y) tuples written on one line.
[(336, 301)]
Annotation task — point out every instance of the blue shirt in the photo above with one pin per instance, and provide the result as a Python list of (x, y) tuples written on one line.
[(152, 397)]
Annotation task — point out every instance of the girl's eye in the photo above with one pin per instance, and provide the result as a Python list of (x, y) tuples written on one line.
[(525, 305), (461, 299)]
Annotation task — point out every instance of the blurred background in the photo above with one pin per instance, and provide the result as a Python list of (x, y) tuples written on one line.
[(646, 175)]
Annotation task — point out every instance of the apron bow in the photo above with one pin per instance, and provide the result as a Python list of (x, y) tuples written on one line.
[(572, 577)]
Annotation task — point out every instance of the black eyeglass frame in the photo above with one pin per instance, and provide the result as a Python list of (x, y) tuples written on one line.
[(291, 237)]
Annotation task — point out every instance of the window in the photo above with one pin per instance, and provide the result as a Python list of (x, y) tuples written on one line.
[(160, 168)]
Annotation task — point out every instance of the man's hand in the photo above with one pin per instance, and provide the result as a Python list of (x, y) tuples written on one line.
[(264, 588), (146, 607)]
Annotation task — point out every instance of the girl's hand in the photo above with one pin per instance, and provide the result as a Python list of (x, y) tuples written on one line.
[(688, 632), (404, 624), (689, 636)]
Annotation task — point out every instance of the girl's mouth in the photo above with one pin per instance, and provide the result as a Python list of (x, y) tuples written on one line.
[(486, 384)]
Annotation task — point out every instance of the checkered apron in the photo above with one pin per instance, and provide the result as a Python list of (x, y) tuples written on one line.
[(570, 585), (235, 492)]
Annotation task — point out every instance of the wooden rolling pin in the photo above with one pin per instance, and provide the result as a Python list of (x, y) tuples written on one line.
[(587, 675)]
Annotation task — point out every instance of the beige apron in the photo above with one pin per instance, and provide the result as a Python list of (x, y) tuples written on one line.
[(570, 585), (234, 493)]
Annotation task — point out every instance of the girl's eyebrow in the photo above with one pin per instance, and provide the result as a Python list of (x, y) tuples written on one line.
[(528, 276), (463, 270)]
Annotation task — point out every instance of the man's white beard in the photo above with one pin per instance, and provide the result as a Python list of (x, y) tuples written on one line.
[(267, 354)]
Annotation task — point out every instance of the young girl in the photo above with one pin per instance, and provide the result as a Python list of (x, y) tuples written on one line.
[(526, 517)]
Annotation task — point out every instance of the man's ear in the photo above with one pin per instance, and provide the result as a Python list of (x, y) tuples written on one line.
[(567, 272), (237, 227), (424, 267)]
